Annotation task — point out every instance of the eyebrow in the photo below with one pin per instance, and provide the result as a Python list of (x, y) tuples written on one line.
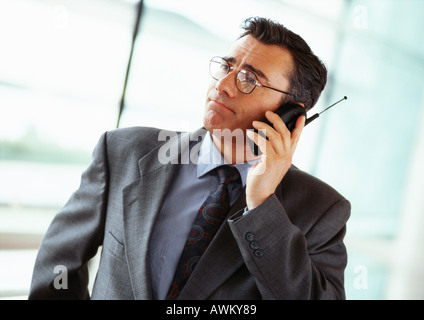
[(248, 66)]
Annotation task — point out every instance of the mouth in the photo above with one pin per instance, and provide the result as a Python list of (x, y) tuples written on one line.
[(217, 104)]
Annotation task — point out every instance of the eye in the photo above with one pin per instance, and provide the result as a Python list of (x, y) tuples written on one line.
[(225, 67), (247, 77), (250, 77), (246, 81), (219, 68)]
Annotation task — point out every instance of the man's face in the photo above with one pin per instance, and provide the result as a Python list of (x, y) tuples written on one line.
[(227, 107)]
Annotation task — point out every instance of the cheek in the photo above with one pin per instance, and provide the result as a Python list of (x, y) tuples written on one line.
[(245, 118), (208, 91), (211, 86), (257, 108)]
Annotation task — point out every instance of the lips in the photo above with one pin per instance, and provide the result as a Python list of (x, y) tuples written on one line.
[(218, 103)]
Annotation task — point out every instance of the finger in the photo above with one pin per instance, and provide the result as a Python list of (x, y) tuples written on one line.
[(262, 126), (285, 143), (297, 131), (280, 127), (277, 122), (273, 136), (259, 140)]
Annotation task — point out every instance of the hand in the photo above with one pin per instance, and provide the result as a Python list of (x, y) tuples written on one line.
[(276, 159)]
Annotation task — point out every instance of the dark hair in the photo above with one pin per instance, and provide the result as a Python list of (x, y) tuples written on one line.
[(309, 76)]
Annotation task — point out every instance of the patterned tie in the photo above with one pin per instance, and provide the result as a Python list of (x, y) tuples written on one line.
[(207, 222)]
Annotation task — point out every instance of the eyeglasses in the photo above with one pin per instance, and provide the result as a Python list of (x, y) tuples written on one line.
[(246, 81)]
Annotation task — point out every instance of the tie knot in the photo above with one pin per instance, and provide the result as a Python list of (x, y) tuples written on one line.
[(227, 174)]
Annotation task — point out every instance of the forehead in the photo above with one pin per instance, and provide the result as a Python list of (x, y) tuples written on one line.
[(274, 61)]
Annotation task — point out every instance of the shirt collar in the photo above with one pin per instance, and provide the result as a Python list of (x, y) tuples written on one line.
[(210, 158)]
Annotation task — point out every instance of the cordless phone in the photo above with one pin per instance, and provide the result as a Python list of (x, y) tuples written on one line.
[(289, 113)]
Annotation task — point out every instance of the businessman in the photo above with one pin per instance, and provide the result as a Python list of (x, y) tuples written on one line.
[(196, 215)]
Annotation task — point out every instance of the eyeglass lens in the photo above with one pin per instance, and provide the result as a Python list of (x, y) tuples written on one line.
[(245, 81)]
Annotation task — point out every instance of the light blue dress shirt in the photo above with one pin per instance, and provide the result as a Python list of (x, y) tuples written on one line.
[(193, 183)]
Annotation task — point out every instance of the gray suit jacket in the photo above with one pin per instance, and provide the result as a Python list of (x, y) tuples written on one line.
[(289, 247)]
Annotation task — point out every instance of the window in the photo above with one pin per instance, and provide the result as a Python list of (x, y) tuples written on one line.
[(62, 71)]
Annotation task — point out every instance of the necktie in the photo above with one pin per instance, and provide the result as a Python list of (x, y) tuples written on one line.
[(207, 222)]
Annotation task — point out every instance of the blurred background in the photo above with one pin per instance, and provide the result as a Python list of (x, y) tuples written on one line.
[(63, 67)]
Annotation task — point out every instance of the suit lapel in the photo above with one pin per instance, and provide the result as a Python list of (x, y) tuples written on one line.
[(223, 251), (142, 201), (142, 206)]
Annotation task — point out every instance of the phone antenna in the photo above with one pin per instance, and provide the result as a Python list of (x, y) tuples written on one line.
[(316, 115)]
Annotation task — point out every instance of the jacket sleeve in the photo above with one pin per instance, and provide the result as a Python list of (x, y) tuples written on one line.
[(290, 263), (73, 238)]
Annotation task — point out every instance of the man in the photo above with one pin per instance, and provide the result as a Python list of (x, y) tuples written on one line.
[(283, 235)]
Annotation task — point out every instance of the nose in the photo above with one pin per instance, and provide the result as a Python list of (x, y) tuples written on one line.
[(227, 85)]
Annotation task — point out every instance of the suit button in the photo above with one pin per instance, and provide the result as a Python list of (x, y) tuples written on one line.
[(249, 236), (258, 253), (254, 245)]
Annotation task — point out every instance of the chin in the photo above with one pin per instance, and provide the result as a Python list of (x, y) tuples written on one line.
[(211, 127), (213, 120)]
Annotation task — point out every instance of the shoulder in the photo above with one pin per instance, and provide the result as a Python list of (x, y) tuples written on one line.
[(142, 136), (134, 140), (301, 182), (305, 196), (123, 146)]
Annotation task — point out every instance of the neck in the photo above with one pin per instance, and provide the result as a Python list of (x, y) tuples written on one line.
[(232, 145)]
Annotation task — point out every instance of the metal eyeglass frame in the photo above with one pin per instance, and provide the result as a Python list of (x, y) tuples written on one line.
[(247, 74)]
